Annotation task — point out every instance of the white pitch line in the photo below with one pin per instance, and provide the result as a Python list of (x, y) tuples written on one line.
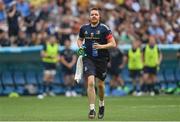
[(151, 106)]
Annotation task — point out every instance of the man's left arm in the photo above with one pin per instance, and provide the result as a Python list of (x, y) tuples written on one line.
[(110, 43)]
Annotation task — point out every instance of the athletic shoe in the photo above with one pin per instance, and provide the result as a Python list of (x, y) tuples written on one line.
[(92, 114), (101, 112), (68, 94), (73, 93), (52, 94), (152, 93)]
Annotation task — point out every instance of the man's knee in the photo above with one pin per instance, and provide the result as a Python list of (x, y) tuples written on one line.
[(153, 78), (48, 78), (101, 85), (145, 77), (90, 84), (90, 81)]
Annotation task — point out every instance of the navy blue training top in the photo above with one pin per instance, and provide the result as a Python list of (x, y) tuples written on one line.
[(98, 34)]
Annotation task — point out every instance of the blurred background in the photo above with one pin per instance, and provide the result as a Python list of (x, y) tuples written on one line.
[(26, 24)]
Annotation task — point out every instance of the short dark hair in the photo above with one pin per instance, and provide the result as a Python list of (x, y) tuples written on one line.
[(96, 9)]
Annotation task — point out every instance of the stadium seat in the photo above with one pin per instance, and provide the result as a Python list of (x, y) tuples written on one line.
[(172, 85), (7, 78), (39, 77), (7, 82), (19, 78), (118, 92), (20, 89), (40, 81), (19, 82), (160, 76), (128, 87), (177, 74), (58, 86), (125, 75), (30, 77), (57, 79), (58, 89), (108, 79), (169, 75), (1, 87)]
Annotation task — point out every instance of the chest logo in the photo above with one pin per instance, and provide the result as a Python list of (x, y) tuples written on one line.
[(92, 35), (98, 32), (86, 32)]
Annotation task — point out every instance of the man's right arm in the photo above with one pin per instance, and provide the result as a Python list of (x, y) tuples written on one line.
[(12, 12), (43, 52)]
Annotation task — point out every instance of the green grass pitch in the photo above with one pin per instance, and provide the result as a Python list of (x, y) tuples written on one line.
[(60, 108)]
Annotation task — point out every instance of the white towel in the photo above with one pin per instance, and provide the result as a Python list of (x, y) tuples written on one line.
[(79, 69)]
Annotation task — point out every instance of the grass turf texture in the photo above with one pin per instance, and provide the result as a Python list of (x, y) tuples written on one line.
[(129, 108)]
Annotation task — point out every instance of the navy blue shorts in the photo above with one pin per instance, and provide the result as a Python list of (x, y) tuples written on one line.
[(49, 66), (135, 73), (67, 71), (98, 68), (150, 70)]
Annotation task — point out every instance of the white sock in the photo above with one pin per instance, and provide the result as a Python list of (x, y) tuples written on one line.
[(92, 107), (101, 103)]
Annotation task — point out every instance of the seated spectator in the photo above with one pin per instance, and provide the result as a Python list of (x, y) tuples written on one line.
[(127, 18), (127, 35), (157, 31), (177, 39), (22, 40), (3, 39)]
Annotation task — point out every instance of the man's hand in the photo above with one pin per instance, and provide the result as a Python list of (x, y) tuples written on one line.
[(97, 46), (69, 66), (111, 44)]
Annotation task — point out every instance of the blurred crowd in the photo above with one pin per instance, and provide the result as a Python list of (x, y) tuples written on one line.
[(29, 22)]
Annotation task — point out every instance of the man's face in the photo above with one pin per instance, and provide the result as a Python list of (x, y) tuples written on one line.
[(94, 16), (135, 44), (67, 43), (152, 41), (52, 40)]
